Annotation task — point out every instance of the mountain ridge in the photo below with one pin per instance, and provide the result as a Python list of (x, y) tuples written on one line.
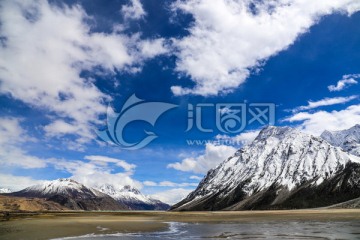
[(76, 196), (278, 163), (348, 139), (132, 198), (71, 194)]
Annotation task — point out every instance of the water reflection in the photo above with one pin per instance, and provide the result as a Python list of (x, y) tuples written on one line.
[(258, 230)]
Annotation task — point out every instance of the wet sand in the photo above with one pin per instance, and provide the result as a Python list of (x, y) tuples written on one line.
[(64, 224)]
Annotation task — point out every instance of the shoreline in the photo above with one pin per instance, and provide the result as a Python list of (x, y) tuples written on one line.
[(47, 225)]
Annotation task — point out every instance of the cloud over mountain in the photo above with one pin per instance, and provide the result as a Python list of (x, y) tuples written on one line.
[(230, 39)]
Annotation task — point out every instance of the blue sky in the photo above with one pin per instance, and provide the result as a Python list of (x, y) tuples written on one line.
[(62, 63)]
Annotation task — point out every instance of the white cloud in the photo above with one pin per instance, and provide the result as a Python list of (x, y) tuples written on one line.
[(315, 123), (12, 136), (41, 62), (231, 38), (168, 184), (152, 48), (345, 82), (16, 183), (196, 177), (94, 174), (88, 173), (60, 127), (134, 10), (212, 156), (325, 102), (171, 196), (150, 183), (99, 169), (103, 159), (11, 131)]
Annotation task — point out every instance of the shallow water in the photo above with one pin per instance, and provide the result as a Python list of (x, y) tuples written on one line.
[(254, 230)]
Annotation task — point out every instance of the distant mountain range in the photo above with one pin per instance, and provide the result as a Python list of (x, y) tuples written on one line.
[(132, 198), (283, 168), (76, 196)]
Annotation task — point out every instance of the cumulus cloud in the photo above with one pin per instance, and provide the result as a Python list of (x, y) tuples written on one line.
[(171, 196), (150, 183), (92, 170), (103, 159), (195, 177), (229, 38), (346, 81), (99, 170), (133, 10), (12, 136), (212, 156), (315, 123), (16, 183), (41, 63), (325, 102), (168, 184), (153, 47)]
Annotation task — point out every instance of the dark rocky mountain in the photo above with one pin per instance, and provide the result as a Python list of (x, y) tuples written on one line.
[(71, 194), (282, 168)]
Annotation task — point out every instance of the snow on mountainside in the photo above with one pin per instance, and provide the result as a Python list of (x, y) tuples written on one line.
[(124, 193), (348, 140), (74, 195), (71, 194), (132, 197), (61, 186), (279, 155), (5, 190), (282, 155)]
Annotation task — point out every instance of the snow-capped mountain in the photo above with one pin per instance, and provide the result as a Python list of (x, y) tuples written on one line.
[(132, 198), (348, 140), (279, 164), (71, 194), (5, 190)]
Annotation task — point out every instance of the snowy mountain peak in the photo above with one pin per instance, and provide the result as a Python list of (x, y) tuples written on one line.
[(107, 189), (275, 132), (129, 188), (123, 193), (58, 184), (279, 155), (62, 186), (71, 194), (132, 197), (348, 139)]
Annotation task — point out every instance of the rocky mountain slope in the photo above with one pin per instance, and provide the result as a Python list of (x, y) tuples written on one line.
[(72, 195), (354, 203), (348, 140), (8, 203), (282, 168), (132, 198)]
